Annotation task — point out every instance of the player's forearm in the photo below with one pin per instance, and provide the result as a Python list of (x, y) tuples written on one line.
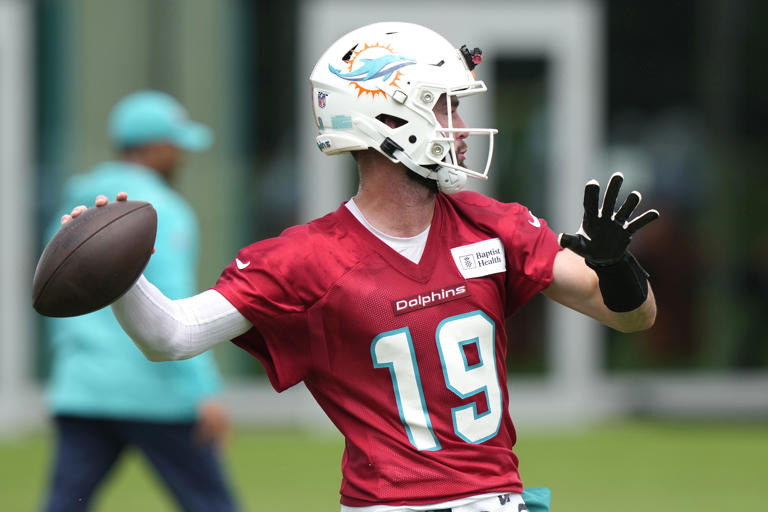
[(168, 330), (625, 303), (639, 319), (577, 286)]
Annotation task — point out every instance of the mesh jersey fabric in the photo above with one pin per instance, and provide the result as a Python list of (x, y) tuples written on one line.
[(420, 426)]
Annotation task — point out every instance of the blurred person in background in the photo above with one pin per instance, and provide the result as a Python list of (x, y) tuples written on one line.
[(391, 310), (105, 396)]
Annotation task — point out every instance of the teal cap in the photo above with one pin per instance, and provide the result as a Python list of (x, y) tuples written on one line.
[(146, 117)]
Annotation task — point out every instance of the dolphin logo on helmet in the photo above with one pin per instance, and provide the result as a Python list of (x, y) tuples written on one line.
[(383, 66)]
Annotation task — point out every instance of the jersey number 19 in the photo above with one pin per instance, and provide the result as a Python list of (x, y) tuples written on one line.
[(394, 350)]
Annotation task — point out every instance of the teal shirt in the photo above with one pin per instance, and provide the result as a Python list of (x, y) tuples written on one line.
[(97, 371)]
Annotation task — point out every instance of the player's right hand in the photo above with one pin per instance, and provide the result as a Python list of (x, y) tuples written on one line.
[(101, 200)]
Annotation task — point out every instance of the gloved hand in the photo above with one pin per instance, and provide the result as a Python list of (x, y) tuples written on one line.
[(604, 236)]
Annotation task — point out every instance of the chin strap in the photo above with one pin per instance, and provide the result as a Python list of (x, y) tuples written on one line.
[(448, 180)]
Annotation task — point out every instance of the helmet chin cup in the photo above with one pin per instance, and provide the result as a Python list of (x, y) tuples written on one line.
[(450, 181)]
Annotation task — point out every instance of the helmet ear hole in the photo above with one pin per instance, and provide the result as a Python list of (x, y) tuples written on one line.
[(391, 121), (412, 139)]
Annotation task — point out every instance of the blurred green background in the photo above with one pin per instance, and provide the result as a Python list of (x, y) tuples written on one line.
[(631, 466)]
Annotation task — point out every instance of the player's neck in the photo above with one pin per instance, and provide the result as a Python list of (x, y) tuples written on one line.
[(393, 203)]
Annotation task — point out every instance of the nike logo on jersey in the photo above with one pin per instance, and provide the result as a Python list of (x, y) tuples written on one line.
[(480, 259), (240, 264), (534, 221)]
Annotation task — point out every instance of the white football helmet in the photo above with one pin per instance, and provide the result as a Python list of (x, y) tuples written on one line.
[(398, 70)]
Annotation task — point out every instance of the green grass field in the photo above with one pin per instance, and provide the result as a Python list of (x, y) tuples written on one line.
[(629, 467)]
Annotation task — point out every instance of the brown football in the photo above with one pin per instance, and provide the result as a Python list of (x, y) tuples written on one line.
[(94, 259)]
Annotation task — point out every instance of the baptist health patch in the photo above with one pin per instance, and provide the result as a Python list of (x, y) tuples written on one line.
[(480, 259)]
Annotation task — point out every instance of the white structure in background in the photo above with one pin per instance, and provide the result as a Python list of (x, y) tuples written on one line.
[(18, 225)]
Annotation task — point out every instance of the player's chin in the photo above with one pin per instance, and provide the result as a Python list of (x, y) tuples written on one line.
[(461, 154)]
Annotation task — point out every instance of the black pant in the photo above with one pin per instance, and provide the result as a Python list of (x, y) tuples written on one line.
[(88, 448)]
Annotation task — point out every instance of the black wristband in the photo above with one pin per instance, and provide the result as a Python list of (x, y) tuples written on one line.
[(624, 284)]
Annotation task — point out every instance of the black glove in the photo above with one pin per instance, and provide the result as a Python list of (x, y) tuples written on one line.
[(603, 239), (604, 236)]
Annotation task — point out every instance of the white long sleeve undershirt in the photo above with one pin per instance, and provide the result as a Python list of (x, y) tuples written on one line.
[(169, 330)]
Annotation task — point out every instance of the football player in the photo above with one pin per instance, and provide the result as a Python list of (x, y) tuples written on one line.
[(391, 309)]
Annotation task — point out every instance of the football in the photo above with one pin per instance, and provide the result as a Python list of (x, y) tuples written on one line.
[(94, 259)]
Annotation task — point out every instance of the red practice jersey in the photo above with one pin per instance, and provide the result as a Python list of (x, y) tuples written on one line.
[(407, 360)]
